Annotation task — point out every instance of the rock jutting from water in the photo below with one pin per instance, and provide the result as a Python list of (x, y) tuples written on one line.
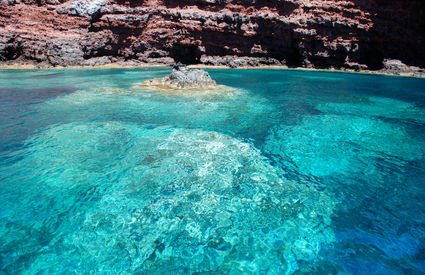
[(182, 79)]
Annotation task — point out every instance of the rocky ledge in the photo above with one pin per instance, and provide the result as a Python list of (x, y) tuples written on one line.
[(396, 67)]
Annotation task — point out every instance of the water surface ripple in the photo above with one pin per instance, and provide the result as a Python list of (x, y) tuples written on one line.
[(292, 172)]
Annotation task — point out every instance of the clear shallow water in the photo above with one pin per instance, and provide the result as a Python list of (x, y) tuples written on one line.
[(296, 172)]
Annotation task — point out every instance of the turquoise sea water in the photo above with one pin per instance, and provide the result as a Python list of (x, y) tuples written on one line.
[(294, 172)]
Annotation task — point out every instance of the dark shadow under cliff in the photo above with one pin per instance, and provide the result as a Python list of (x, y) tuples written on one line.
[(398, 32)]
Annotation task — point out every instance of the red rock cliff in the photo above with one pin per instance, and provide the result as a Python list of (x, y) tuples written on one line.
[(356, 34)]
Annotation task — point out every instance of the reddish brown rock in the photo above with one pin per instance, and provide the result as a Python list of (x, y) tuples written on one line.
[(354, 34)]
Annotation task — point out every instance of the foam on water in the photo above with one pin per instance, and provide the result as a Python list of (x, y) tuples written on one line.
[(162, 199)]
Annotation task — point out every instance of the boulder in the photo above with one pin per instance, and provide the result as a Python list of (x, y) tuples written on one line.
[(188, 82), (394, 66), (183, 78), (83, 8)]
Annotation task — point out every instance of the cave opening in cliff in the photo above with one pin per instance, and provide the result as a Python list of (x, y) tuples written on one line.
[(186, 54), (372, 57), (11, 53)]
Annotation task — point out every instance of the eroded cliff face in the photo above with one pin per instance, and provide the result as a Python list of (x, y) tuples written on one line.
[(355, 34)]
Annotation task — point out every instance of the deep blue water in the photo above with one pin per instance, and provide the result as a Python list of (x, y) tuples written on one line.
[(293, 172)]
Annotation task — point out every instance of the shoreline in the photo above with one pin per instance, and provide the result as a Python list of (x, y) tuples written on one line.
[(276, 67), (202, 66)]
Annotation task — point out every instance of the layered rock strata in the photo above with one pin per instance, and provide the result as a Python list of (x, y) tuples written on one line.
[(352, 34)]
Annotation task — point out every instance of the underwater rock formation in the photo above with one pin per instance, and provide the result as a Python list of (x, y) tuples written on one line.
[(181, 108), (163, 197), (353, 34), (374, 106), (337, 143)]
